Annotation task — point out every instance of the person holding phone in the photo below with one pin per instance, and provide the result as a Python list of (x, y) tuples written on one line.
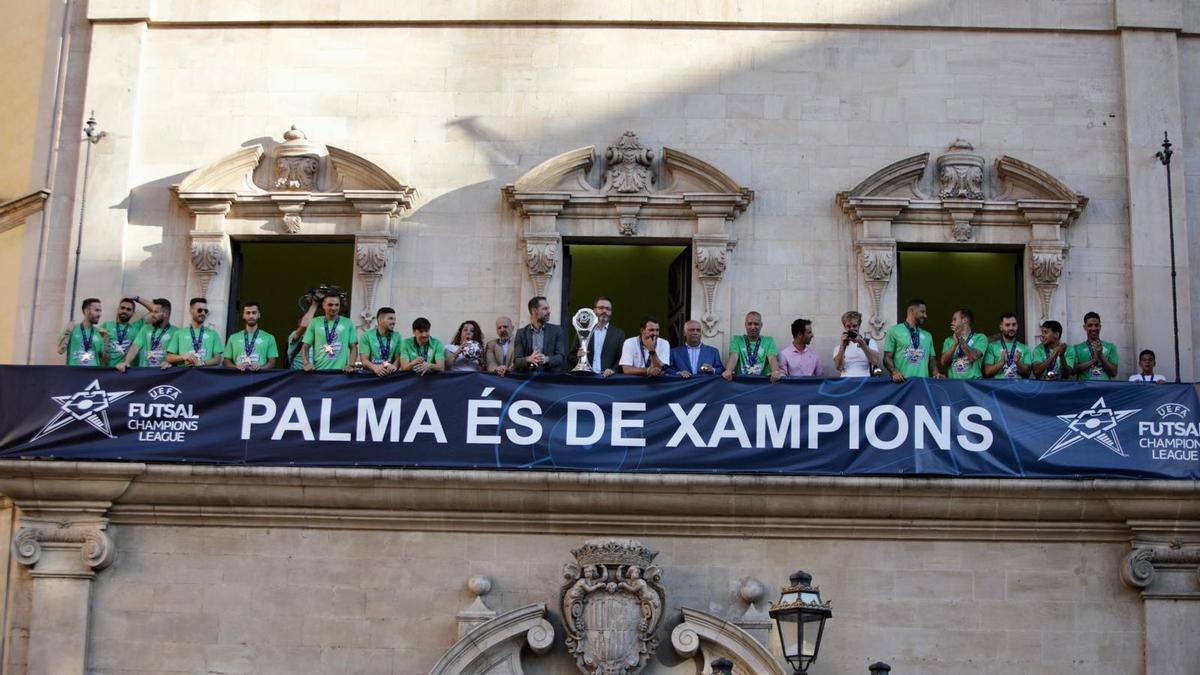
[(854, 355)]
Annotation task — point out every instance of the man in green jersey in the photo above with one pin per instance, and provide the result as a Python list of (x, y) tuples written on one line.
[(908, 348), (1007, 358), (380, 348), (85, 343), (752, 353), (295, 339), (422, 353), (123, 331), (962, 352), (149, 348), (251, 348), (197, 345), (1052, 359), (330, 341), (1095, 359)]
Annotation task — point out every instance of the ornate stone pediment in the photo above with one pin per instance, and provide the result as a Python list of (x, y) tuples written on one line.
[(612, 606), (959, 201)]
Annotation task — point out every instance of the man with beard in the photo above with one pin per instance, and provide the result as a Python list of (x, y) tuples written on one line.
[(646, 354), (498, 353), (611, 340), (200, 345), (752, 353), (149, 349), (1095, 359), (962, 352), (330, 342), (1008, 358), (251, 348), (908, 348), (1052, 358), (85, 343), (379, 349), (541, 345), (693, 357), (123, 331)]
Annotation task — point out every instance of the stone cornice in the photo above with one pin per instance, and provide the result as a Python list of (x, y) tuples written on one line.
[(696, 505), (14, 211)]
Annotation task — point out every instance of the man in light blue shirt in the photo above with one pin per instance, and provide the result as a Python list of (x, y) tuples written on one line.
[(693, 357)]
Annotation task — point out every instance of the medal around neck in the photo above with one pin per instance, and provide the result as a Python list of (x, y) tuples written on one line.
[(584, 322)]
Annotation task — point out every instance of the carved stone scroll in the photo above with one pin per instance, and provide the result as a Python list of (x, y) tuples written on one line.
[(612, 606), (960, 172), (716, 637), (712, 256), (1142, 565), (541, 257), (628, 166), (95, 549), (877, 259), (208, 256), (494, 647), (1046, 265), (371, 256)]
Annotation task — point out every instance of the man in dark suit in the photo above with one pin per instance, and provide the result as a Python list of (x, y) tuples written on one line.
[(609, 337), (540, 346), (694, 358)]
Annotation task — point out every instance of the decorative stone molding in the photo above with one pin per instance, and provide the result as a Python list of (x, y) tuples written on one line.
[(494, 647), (633, 192), (746, 613), (478, 612), (87, 538), (303, 188), (1015, 204), (612, 606), (14, 211), (1145, 565), (718, 638)]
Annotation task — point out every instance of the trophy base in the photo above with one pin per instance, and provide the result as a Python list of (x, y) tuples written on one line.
[(582, 369)]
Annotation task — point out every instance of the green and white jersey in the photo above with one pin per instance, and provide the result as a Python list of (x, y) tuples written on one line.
[(204, 342), (753, 354), (120, 338), (329, 342), (999, 351), (911, 349), (1040, 354), (152, 345), (378, 349), (961, 367), (1083, 354), (85, 346), (433, 351), (251, 349)]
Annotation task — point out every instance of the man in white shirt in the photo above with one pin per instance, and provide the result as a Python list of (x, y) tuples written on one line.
[(647, 354), (853, 356)]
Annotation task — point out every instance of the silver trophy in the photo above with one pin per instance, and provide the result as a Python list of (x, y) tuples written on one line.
[(584, 321)]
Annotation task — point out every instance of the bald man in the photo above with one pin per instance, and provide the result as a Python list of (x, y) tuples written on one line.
[(693, 357), (498, 353)]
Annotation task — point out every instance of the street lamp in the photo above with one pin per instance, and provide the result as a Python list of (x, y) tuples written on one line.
[(1164, 156), (800, 616)]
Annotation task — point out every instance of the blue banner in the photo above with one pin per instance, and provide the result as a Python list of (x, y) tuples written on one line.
[(850, 427)]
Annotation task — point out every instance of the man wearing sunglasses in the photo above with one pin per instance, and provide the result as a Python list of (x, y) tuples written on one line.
[(196, 344)]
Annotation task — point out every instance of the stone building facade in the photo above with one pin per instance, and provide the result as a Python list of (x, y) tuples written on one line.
[(795, 146)]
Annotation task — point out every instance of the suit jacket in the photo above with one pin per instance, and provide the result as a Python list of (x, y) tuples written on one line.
[(554, 346), (709, 355), (494, 356), (610, 351)]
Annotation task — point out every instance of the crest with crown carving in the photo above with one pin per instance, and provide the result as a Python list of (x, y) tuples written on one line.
[(612, 605)]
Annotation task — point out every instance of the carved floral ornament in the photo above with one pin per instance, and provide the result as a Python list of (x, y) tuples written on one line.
[(966, 202)]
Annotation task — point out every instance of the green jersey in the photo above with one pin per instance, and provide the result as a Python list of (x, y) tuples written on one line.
[(999, 352), (85, 347), (911, 349), (152, 345), (433, 351), (329, 342), (297, 361), (1040, 354), (1083, 354), (203, 342), (120, 338), (251, 349), (753, 354), (961, 367), (377, 349)]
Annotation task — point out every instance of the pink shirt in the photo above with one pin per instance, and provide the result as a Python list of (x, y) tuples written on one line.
[(793, 362)]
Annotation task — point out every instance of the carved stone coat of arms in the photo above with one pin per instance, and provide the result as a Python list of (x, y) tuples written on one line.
[(612, 605)]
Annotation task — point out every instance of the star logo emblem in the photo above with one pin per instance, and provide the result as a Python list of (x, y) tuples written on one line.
[(1097, 423), (89, 406)]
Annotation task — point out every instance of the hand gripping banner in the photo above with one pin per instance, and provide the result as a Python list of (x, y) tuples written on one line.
[(844, 427)]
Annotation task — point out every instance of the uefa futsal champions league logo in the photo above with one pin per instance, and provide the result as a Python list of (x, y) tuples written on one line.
[(1097, 423), (89, 406)]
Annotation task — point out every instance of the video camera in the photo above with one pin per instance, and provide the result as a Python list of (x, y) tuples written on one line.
[(320, 293)]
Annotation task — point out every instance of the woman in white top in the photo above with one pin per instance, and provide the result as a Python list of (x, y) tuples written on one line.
[(854, 356), (465, 351)]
